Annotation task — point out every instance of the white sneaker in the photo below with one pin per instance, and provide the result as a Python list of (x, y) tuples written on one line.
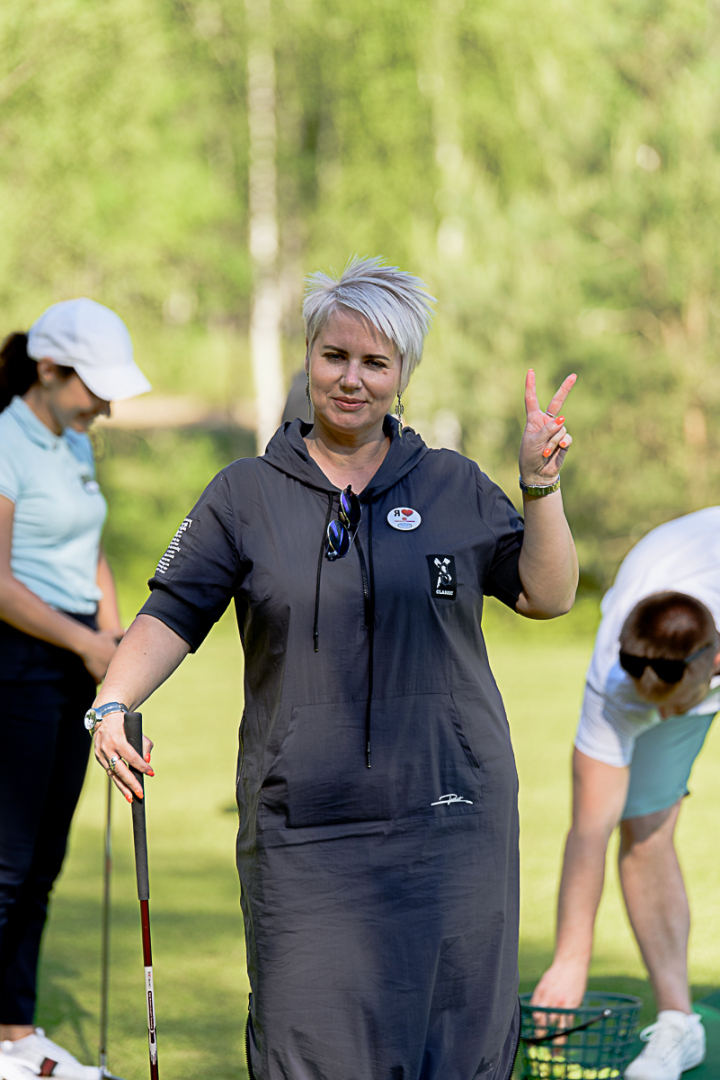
[(675, 1042), (36, 1055)]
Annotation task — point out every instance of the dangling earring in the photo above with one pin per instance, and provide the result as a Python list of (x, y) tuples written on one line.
[(399, 410), (307, 395)]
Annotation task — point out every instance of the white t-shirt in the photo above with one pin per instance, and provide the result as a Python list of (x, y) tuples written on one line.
[(681, 556)]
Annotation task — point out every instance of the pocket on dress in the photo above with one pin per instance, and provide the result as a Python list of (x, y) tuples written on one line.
[(421, 764)]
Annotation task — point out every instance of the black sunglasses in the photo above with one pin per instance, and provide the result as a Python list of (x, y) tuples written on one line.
[(340, 534), (670, 671)]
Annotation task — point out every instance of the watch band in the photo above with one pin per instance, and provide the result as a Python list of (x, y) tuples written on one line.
[(94, 716), (541, 489)]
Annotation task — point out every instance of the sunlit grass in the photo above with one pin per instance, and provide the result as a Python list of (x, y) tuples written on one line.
[(201, 986)]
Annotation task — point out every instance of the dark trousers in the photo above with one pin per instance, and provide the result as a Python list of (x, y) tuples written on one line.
[(44, 692)]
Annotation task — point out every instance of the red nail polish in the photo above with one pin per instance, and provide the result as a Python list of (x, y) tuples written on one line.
[(129, 798), (547, 451), (147, 757), (559, 420), (151, 773)]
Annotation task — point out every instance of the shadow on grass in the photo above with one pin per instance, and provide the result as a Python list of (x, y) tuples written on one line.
[(200, 982), (58, 1006), (199, 978)]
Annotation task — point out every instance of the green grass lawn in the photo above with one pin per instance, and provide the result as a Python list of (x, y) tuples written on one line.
[(201, 988)]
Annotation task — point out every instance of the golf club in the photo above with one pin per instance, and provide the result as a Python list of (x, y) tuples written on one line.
[(133, 734), (105, 946)]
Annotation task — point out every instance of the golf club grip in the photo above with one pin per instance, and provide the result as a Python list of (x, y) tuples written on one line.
[(133, 734)]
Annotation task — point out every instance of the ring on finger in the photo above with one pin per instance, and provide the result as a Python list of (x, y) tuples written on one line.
[(113, 762), (553, 414)]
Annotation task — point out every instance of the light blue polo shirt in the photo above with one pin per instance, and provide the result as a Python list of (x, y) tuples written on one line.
[(59, 509)]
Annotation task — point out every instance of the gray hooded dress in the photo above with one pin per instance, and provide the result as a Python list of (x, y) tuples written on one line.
[(380, 903)]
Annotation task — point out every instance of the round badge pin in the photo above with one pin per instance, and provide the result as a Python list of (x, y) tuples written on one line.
[(404, 518)]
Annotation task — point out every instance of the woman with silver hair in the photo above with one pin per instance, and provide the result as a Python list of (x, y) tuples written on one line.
[(377, 848)]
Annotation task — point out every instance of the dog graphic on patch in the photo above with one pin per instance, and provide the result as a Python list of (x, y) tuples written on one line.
[(444, 576)]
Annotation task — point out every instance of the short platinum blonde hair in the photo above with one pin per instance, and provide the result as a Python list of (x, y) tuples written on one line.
[(395, 302)]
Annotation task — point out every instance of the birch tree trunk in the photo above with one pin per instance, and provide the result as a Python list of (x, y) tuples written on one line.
[(440, 81), (265, 314), (446, 96)]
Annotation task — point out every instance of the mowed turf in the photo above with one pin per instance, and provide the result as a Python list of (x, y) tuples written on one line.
[(200, 981)]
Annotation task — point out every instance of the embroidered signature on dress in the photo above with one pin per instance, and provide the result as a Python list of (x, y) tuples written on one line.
[(447, 800)]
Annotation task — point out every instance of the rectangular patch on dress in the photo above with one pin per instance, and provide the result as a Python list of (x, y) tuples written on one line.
[(443, 579)]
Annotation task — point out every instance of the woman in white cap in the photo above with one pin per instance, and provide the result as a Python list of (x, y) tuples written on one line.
[(59, 627)]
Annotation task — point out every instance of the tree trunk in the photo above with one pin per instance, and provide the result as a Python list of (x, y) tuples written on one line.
[(265, 314)]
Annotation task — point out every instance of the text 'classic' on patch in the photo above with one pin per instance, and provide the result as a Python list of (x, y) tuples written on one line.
[(443, 579)]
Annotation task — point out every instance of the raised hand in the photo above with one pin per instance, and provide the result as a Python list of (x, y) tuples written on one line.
[(545, 440)]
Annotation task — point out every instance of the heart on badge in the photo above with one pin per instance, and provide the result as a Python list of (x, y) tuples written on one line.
[(404, 518)]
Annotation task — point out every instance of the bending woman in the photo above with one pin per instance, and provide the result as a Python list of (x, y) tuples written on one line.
[(378, 847), (59, 627)]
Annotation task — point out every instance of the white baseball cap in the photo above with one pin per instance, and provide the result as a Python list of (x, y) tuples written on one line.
[(93, 340)]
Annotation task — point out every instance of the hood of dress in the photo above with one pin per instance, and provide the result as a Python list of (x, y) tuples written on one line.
[(287, 452)]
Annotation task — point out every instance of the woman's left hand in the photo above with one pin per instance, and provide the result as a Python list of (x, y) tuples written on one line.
[(545, 439)]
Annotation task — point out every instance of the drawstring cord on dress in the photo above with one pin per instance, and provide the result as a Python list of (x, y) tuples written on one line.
[(369, 596), (371, 635), (321, 559)]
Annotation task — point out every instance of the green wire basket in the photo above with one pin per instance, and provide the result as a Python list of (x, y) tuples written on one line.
[(590, 1042)]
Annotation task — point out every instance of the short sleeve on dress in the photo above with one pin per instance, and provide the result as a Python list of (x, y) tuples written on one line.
[(198, 575), (502, 579)]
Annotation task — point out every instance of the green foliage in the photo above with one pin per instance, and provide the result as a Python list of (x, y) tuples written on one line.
[(151, 481), (553, 171)]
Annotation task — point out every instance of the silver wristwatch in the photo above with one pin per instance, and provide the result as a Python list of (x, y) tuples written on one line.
[(94, 716)]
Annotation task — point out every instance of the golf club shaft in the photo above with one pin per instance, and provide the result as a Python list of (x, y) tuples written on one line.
[(105, 947), (133, 733)]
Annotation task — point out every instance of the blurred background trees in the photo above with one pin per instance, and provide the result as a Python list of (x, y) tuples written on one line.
[(552, 171)]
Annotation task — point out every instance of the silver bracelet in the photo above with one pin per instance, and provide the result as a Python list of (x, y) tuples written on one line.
[(541, 489)]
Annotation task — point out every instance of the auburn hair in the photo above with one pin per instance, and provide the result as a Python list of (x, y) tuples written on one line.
[(669, 624)]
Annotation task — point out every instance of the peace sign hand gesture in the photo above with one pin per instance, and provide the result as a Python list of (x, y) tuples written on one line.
[(545, 440)]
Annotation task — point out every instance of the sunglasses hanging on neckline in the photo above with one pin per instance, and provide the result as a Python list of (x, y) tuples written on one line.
[(342, 530), (668, 671)]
